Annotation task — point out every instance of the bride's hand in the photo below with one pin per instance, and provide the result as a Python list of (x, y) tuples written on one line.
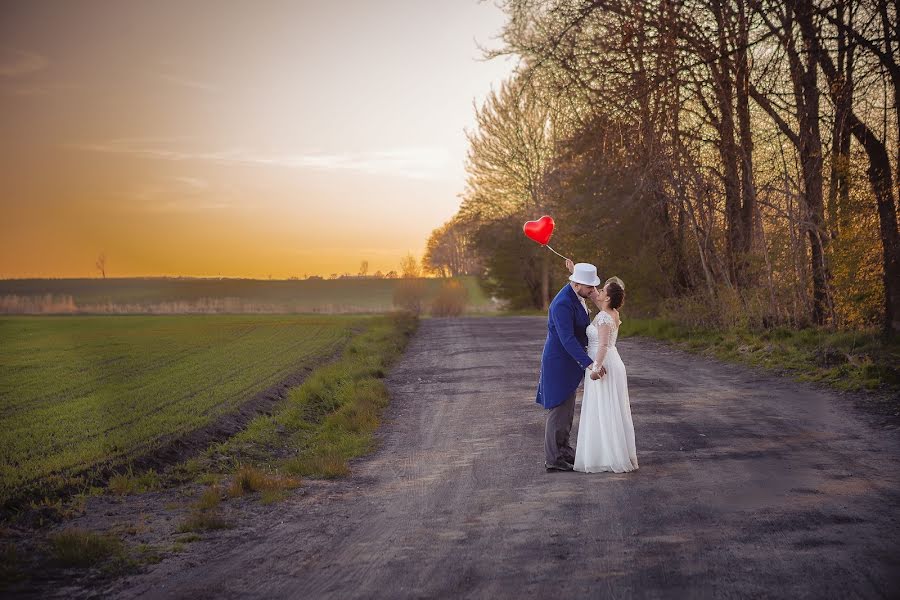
[(570, 265)]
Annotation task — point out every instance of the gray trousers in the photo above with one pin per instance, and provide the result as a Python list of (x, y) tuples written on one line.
[(556, 433)]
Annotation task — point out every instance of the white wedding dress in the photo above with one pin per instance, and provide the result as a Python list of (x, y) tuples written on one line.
[(605, 430)]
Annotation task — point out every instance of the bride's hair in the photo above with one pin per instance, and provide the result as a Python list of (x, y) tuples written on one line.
[(616, 294)]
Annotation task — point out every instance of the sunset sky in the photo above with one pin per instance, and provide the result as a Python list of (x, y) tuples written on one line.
[(242, 139)]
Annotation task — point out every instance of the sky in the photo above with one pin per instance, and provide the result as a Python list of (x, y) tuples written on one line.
[(234, 138)]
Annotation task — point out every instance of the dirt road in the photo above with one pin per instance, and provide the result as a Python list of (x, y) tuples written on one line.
[(749, 486)]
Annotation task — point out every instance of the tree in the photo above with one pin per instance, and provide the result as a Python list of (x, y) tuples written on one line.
[(364, 268), (409, 267), (879, 171), (101, 264), (509, 154), (738, 155), (807, 139), (450, 250)]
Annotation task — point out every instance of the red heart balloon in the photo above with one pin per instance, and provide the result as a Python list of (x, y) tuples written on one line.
[(540, 230)]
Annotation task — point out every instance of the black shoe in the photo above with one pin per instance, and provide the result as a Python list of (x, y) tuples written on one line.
[(559, 465)]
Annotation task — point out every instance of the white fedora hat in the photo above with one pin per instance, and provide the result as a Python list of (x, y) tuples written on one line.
[(586, 274)]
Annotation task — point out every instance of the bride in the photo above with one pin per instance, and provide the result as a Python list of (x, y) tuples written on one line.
[(605, 430)]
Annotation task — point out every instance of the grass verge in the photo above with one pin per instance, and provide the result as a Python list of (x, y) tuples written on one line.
[(128, 483), (76, 547), (327, 420), (249, 479), (847, 361)]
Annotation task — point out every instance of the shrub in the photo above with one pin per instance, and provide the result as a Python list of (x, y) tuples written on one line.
[(451, 300), (410, 295)]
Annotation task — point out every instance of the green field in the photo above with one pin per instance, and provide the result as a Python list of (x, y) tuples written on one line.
[(80, 393), (170, 295)]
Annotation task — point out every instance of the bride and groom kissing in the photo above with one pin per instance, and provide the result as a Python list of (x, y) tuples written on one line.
[(579, 348)]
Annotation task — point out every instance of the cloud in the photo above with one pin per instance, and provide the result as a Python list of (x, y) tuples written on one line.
[(182, 194), (194, 84), (20, 62), (37, 89), (180, 207), (194, 183), (411, 162)]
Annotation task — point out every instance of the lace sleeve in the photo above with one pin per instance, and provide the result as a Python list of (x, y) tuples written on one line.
[(604, 333)]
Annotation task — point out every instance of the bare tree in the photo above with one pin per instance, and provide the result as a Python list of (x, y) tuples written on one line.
[(409, 267), (879, 172), (678, 98), (449, 251), (101, 264), (781, 19), (509, 154)]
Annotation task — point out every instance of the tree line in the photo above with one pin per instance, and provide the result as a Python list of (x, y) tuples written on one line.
[(735, 161)]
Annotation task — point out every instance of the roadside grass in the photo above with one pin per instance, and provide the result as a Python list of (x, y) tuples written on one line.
[(205, 514), (46, 511), (844, 360), (331, 417), (10, 567), (148, 554), (203, 520), (75, 547), (129, 483), (210, 498), (249, 479), (323, 423)]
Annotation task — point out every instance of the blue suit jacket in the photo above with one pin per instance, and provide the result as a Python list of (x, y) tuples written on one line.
[(564, 359)]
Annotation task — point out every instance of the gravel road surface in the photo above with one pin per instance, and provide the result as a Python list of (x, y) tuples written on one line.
[(750, 486)]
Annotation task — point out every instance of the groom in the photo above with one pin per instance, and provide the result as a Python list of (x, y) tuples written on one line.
[(563, 363)]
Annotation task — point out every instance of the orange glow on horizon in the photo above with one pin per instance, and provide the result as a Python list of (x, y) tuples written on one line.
[(266, 140)]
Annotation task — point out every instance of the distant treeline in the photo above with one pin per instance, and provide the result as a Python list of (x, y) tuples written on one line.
[(197, 295), (734, 161)]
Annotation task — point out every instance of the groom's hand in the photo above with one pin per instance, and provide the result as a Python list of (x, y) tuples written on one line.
[(598, 374)]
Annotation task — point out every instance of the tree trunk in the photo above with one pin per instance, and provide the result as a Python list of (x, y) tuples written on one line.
[(839, 188), (728, 153), (749, 209), (804, 76), (879, 174)]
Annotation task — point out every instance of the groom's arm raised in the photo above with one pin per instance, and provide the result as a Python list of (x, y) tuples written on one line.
[(564, 321)]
